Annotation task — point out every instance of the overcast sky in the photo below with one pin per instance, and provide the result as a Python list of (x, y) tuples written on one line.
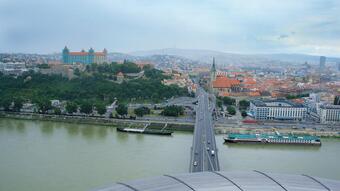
[(240, 26)]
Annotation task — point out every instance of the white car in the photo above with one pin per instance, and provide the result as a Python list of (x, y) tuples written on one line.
[(195, 163), (212, 152)]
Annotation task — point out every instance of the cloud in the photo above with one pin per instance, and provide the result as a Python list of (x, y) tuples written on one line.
[(246, 26)]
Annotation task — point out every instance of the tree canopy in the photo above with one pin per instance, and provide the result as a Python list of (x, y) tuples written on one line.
[(231, 110), (122, 109), (95, 87), (141, 111), (173, 110)]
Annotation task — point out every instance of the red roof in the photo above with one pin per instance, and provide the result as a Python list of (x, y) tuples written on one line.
[(78, 53), (224, 82), (249, 81), (86, 53)]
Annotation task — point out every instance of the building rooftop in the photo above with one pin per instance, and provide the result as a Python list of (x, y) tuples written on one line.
[(224, 82), (228, 181), (328, 106), (275, 103)]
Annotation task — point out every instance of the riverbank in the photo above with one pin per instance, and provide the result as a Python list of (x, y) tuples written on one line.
[(113, 122), (171, 125)]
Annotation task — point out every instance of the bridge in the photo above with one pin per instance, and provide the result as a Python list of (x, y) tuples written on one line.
[(204, 156), (204, 168)]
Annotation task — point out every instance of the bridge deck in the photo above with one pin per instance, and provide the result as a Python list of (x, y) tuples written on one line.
[(204, 155)]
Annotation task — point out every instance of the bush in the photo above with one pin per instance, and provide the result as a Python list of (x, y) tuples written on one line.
[(86, 108), (231, 110), (101, 109), (122, 110), (173, 111), (244, 104), (141, 111), (228, 101), (71, 107), (57, 111)]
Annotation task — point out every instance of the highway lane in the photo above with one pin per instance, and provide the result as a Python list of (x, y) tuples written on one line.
[(204, 156)]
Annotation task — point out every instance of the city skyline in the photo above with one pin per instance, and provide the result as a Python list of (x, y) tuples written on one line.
[(252, 27)]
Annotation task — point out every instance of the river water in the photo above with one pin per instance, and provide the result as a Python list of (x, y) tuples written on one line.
[(37, 155)]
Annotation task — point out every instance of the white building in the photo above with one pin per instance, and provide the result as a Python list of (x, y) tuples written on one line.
[(278, 109), (329, 113), (13, 68)]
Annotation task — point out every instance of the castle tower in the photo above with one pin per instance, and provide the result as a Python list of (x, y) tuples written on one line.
[(66, 52), (91, 56)]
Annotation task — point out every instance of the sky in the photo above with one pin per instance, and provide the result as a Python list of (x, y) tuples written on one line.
[(238, 26)]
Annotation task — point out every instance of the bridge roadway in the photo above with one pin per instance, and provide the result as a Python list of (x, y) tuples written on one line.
[(204, 156)]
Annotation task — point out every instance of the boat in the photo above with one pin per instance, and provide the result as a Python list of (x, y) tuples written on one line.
[(273, 139), (145, 131)]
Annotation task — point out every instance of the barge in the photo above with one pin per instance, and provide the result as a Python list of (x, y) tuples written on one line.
[(272, 139), (145, 131)]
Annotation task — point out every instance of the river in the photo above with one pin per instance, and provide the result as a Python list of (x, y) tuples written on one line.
[(39, 155)]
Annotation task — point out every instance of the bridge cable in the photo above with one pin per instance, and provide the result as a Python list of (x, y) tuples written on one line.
[(126, 185), (239, 187), (266, 175), (317, 181), (180, 181)]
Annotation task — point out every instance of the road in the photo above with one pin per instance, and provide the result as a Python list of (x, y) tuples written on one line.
[(204, 156)]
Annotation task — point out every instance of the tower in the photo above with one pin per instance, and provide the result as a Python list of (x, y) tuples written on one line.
[(212, 74), (213, 71), (66, 52), (91, 56), (322, 63)]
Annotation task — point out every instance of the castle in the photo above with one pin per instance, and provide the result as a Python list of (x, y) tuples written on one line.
[(84, 57)]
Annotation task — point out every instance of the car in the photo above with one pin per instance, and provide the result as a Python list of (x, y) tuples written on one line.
[(212, 152), (208, 142), (208, 149), (195, 163)]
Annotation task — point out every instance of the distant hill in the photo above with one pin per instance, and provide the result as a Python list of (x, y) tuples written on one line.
[(231, 58), (160, 60)]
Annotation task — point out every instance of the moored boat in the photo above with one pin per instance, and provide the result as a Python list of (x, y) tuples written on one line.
[(272, 139), (145, 131)]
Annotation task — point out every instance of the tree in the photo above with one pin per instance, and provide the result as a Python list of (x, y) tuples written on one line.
[(86, 107), (44, 105), (101, 109), (219, 103), (244, 104), (6, 103), (244, 114), (173, 110), (141, 111), (228, 101), (71, 107), (231, 110), (76, 72), (57, 111), (122, 109), (18, 103)]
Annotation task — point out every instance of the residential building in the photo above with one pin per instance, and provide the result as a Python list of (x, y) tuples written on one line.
[(83, 57), (276, 109)]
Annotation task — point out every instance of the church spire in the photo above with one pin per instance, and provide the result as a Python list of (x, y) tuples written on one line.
[(213, 67)]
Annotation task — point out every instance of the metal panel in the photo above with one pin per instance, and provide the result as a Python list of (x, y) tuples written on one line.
[(207, 181), (229, 181)]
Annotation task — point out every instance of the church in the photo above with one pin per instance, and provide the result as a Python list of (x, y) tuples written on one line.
[(220, 84)]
